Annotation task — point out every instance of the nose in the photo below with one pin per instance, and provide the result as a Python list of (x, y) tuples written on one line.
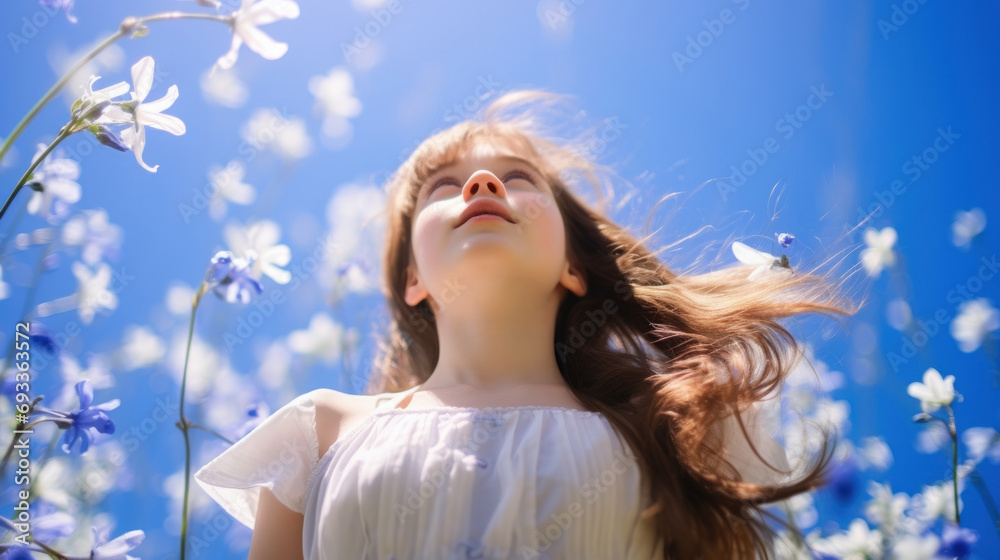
[(483, 180)]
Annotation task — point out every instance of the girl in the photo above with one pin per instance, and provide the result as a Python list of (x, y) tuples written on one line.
[(548, 388)]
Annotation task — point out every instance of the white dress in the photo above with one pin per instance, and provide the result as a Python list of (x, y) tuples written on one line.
[(445, 483)]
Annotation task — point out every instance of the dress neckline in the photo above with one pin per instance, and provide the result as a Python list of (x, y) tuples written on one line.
[(389, 407)]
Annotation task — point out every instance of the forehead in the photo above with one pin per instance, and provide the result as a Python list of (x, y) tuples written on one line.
[(478, 153)]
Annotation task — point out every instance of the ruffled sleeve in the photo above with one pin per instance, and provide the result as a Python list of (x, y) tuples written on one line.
[(279, 454)]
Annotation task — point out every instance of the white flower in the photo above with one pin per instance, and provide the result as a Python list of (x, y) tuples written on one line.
[(57, 176), (98, 372), (228, 185), (975, 320), (4, 287), (268, 128), (140, 348), (934, 392), (245, 21), (875, 453), (858, 543), (115, 549), (937, 501), (141, 114), (104, 94), (224, 87), (335, 99), (259, 241), (932, 438), (764, 262), (93, 293), (323, 339), (967, 226), (879, 253), (97, 237), (915, 547), (180, 298), (885, 509), (981, 443)]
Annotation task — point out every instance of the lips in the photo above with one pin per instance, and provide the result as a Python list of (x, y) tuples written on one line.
[(484, 206)]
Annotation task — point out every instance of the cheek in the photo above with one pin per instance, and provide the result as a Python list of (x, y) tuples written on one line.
[(543, 223)]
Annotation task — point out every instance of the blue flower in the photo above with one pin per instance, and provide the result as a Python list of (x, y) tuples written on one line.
[(843, 480), (17, 552), (64, 5), (231, 277), (117, 548), (785, 239), (41, 337), (87, 417), (956, 542)]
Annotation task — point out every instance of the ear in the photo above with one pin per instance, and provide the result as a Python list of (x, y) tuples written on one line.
[(415, 291), (573, 279)]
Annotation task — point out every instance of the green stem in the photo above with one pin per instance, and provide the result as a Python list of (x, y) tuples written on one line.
[(126, 27), (953, 431), (184, 425), (211, 431), (32, 289), (63, 134)]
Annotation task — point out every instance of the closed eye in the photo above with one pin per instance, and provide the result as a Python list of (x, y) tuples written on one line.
[(514, 173)]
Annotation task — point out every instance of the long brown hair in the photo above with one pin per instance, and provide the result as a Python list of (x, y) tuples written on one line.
[(681, 353)]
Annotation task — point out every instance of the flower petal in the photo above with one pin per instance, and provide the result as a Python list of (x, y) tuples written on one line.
[(142, 77), (268, 11), (227, 60), (171, 124), (138, 144), (261, 43), (163, 102)]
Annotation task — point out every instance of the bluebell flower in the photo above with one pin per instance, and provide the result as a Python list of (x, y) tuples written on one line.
[(40, 336), (64, 5), (843, 480), (17, 552), (785, 239), (49, 523), (107, 137), (86, 417), (117, 548), (231, 277), (956, 542)]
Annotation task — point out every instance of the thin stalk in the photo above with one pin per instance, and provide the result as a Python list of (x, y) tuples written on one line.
[(984, 493), (124, 29), (183, 424), (63, 134), (954, 459)]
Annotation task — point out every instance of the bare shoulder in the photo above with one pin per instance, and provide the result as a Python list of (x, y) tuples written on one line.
[(337, 413)]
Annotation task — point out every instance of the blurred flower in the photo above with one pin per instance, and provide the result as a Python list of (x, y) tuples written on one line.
[(245, 21), (259, 243), (64, 5), (967, 226), (140, 348), (49, 524), (785, 239), (224, 87), (937, 501), (85, 418), (916, 547), (228, 186), (93, 293), (40, 336), (140, 114), (117, 548), (335, 99), (885, 509), (323, 338), (17, 552), (232, 278), (269, 129), (97, 374), (982, 443), (934, 392), (97, 238), (875, 453), (975, 320), (844, 480), (956, 542), (879, 253), (4, 286), (764, 262), (898, 314), (858, 543), (932, 438), (54, 181), (179, 298)]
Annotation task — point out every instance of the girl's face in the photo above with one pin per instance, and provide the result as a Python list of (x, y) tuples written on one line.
[(527, 252)]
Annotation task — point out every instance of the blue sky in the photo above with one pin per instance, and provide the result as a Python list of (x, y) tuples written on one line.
[(823, 106)]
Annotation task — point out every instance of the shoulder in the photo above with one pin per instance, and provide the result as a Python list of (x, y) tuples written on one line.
[(336, 413)]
